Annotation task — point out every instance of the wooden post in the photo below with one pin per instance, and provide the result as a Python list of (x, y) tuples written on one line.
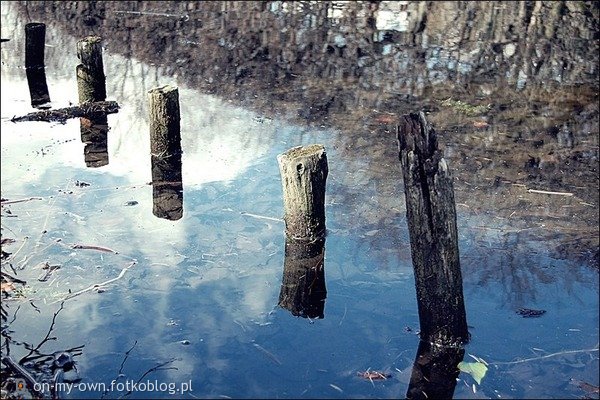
[(35, 38), (165, 133), (165, 149), (91, 81), (431, 215), (303, 175), (303, 289)]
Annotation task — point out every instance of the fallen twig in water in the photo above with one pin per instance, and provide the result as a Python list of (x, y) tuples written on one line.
[(20, 200), (267, 353), (92, 247), (87, 110), (545, 356), (548, 192), (97, 285), (47, 338), (262, 217)]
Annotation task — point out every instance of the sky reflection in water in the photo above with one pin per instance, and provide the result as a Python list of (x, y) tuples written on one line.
[(213, 277)]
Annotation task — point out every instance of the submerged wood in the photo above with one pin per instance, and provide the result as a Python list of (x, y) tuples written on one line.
[(88, 110), (431, 215), (303, 176)]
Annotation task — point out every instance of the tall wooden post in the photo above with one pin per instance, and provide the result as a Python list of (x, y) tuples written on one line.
[(35, 38), (431, 215), (91, 81), (165, 149), (303, 175)]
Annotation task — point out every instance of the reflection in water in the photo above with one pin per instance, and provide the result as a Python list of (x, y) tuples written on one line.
[(38, 88), (94, 134), (303, 289), (434, 372), (167, 187)]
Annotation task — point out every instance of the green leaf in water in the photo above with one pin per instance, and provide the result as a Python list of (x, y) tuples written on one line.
[(476, 369)]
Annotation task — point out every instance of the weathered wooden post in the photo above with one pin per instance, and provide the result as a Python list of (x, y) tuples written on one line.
[(35, 38), (303, 290), (165, 150), (91, 81), (303, 175), (431, 215)]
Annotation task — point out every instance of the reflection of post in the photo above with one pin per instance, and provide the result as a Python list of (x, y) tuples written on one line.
[(91, 82), (303, 289), (94, 134), (434, 372), (167, 187), (303, 176), (165, 148), (38, 88), (431, 215), (35, 36)]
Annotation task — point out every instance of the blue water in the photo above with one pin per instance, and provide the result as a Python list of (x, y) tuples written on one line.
[(202, 296)]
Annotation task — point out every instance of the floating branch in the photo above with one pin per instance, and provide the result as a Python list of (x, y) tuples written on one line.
[(88, 110)]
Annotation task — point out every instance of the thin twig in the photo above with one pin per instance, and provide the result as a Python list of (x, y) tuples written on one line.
[(545, 356), (92, 247), (21, 200), (47, 334), (158, 367), (97, 285), (548, 192)]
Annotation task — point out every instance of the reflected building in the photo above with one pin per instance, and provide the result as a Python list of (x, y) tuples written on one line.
[(303, 290)]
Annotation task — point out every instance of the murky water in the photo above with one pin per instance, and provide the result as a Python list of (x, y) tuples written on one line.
[(199, 305)]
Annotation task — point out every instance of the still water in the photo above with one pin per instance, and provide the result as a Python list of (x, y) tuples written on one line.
[(192, 300)]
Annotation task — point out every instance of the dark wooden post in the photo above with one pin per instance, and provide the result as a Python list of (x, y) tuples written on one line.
[(303, 175), (165, 149), (431, 215), (303, 290), (35, 38), (91, 81)]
